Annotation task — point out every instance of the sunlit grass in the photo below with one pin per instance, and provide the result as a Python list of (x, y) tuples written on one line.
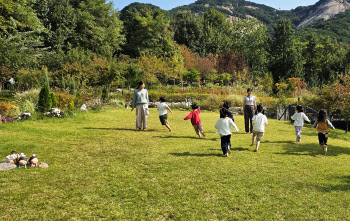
[(100, 167)]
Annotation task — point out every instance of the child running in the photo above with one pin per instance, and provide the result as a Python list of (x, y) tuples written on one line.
[(163, 114), (195, 120), (322, 123), (259, 123), (223, 125), (299, 118)]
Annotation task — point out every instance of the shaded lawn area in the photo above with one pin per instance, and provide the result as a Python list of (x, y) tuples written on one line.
[(100, 168)]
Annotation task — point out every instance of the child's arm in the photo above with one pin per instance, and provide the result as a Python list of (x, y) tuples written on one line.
[(234, 125), (293, 117), (169, 109), (199, 110), (188, 116), (330, 124), (306, 118), (266, 122)]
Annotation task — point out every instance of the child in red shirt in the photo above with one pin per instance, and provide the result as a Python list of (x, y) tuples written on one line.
[(195, 120)]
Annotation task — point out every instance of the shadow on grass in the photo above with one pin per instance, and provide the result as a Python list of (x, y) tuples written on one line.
[(186, 137), (342, 184), (240, 149), (105, 128), (293, 148), (188, 154)]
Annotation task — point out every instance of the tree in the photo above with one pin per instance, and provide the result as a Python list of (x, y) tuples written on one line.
[(312, 61), (191, 76), (104, 96), (148, 32), (44, 103), (283, 58), (188, 30)]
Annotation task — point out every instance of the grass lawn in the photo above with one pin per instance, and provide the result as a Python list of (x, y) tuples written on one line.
[(101, 168)]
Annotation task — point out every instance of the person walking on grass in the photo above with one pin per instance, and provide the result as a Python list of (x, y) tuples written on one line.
[(299, 118), (223, 125), (163, 114), (259, 123), (140, 102), (195, 120), (249, 105), (322, 123)]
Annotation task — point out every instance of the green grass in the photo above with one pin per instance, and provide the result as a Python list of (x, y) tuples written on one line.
[(101, 168)]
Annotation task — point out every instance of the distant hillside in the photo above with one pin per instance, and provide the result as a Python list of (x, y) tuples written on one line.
[(326, 17)]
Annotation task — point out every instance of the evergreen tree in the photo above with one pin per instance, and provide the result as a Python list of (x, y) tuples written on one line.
[(44, 103), (104, 96), (53, 100), (63, 84), (282, 51), (72, 86)]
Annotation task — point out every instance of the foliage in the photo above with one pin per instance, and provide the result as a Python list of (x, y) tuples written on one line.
[(265, 82), (27, 79), (72, 86), (44, 103), (64, 99), (29, 95), (104, 96), (147, 31), (53, 100), (27, 106), (71, 105), (8, 110), (191, 76)]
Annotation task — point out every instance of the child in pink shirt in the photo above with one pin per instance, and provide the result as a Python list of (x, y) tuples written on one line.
[(195, 120)]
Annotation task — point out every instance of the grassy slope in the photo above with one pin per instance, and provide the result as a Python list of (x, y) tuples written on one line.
[(101, 168)]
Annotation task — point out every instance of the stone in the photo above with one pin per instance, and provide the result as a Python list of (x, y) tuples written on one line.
[(7, 166), (43, 165)]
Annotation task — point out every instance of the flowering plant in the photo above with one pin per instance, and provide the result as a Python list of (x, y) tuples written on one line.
[(3, 119)]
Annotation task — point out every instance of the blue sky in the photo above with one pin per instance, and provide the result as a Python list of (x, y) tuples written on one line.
[(169, 4)]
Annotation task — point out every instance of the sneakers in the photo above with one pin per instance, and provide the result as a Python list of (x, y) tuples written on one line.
[(325, 150)]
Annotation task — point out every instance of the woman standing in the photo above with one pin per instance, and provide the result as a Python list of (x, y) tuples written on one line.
[(249, 105), (140, 101)]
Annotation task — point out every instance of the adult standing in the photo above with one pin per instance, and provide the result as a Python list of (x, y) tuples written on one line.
[(140, 102), (249, 105)]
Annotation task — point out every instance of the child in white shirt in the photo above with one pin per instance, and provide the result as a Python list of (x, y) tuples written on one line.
[(259, 123), (163, 114), (223, 125), (299, 118)]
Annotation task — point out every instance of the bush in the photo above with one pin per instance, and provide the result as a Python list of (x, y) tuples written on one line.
[(71, 105), (27, 79), (27, 106), (44, 103), (53, 100), (8, 109), (104, 96), (30, 95), (64, 99)]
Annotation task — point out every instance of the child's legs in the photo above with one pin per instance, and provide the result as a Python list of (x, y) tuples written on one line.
[(259, 137), (298, 130), (196, 128), (201, 129), (225, 140)]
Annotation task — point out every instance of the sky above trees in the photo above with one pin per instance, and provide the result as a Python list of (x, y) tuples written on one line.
[(167, 5)]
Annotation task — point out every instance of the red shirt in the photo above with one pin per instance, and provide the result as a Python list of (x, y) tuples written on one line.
[(194, 116)]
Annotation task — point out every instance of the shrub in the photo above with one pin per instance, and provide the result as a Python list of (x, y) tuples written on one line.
[(71, 105), (30, 95), (27, 79), (8, 109), (63, 99), (53, 100), (104, 96), (44, 103), (63, 84), (72, 86), (27, 106)]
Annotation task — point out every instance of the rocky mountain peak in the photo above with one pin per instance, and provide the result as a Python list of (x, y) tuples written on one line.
[(325, 11)]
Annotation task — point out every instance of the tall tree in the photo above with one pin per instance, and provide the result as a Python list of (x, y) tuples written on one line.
[(283, 58), (188, 30), (148, 31)]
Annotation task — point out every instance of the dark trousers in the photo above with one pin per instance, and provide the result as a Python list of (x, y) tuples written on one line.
[(248, 116), (225, 143)]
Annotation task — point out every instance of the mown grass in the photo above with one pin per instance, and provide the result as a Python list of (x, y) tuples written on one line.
[(101, 168)]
